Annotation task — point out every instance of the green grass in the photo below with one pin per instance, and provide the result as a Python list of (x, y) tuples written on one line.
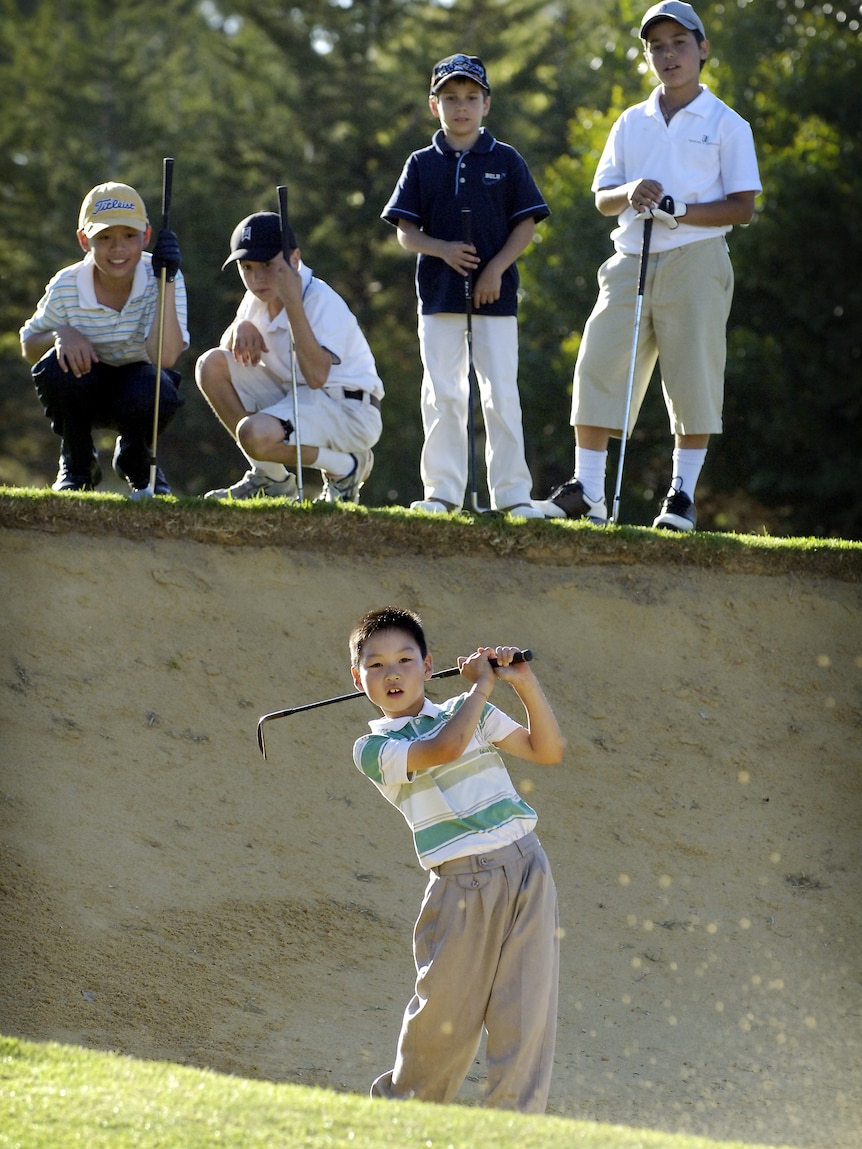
[(383, 531), (56, 1097)]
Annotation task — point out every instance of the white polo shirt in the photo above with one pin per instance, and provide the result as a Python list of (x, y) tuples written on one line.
[(118, 336), (335, 327), (705, 153)]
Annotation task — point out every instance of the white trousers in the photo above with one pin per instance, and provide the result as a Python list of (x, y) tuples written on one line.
[(444, 401)]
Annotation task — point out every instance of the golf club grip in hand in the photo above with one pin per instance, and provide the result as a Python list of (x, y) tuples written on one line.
[(167, 190), (520, 656), (282, 211), (466, 225), (467, 236)]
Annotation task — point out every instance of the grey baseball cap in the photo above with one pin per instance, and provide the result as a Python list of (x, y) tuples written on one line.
[(673, 10)]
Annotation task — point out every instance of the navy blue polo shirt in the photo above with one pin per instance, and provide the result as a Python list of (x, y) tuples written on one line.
[(437, 183)]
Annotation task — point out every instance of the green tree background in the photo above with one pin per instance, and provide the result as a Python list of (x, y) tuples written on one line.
[(330, 96)]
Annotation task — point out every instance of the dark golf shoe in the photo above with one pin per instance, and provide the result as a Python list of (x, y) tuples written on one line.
[(132, 462), (678, 513), (72, 475)]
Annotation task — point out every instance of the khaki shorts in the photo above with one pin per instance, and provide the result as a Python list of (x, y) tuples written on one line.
[(687, 297)]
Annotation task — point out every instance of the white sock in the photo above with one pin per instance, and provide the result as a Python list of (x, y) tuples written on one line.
[(335, 463), (275, 472), (590, 467), (687, 465)]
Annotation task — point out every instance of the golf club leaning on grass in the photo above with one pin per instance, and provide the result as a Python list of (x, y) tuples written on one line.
[(520, 656), (285, 250), (472, 381), (615, 512), (167, 186)]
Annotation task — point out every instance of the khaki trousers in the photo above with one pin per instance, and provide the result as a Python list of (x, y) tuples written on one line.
[(486, 946)]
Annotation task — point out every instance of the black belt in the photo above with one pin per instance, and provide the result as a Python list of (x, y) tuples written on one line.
[(360, 395)]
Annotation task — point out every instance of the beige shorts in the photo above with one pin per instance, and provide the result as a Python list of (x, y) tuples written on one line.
[(327, 416), (686, 303)]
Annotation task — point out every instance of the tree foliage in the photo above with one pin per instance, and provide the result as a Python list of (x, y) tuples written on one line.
[(330, 97)]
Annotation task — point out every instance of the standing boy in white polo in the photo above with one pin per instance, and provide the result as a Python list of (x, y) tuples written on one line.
[(688, 160)]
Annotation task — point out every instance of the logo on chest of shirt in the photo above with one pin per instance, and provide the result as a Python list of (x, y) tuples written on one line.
[(489, 179), (705, 140)]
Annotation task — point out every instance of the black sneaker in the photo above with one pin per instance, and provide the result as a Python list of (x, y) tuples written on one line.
[(678, 513), (570, 500), (73, 477), (132, 462)]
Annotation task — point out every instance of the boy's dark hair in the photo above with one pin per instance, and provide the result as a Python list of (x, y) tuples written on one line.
[(386, 618)]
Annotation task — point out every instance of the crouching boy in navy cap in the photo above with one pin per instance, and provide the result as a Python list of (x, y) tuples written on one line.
[(248, 379)]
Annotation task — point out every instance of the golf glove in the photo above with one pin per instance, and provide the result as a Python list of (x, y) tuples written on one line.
[(669, 212), (166, 254)]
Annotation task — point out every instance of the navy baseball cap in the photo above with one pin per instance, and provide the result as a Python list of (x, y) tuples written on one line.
[(258, 238), (673, 10), (459, 67)]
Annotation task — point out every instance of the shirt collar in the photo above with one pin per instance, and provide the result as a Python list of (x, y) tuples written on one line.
[(654, 108), (483, 144), (87, 282), (383, 725)]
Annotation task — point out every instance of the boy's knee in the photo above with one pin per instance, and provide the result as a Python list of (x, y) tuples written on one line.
[(250, 436), (210, 369)]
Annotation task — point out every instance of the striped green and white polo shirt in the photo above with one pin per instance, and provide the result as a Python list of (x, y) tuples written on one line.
[(465, 807)]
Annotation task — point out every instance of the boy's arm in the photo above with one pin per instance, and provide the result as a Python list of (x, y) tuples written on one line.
[(541, 740), (75, 352), (450, 742), (487, 286), (173, 343), (734, 209), (314, 361), (460, 256)]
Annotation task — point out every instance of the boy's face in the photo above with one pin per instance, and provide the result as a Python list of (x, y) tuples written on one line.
[(393, 673), (261, 278), (460, 106), (674, 54), (116, 249)]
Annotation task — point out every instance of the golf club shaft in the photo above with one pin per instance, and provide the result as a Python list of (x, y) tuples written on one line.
[(167, 188), (520, 656), (285, 248), (467, 236), (631, 379)]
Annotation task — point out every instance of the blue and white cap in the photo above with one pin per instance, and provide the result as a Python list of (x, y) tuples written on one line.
[(459, 67)]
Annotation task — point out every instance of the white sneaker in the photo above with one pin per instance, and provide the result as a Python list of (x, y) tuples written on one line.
[(432, 507), (532, 510), (346, 489), (255, 484)]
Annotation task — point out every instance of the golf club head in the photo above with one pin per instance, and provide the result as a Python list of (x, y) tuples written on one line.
[(144, 493)]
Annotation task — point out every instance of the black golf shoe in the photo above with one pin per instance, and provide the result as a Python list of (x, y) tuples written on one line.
[(73, 476), (678, 513), (571, 502), (132, 462)]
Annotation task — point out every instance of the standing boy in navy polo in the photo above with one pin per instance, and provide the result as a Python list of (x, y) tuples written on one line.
[(465, 167)]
